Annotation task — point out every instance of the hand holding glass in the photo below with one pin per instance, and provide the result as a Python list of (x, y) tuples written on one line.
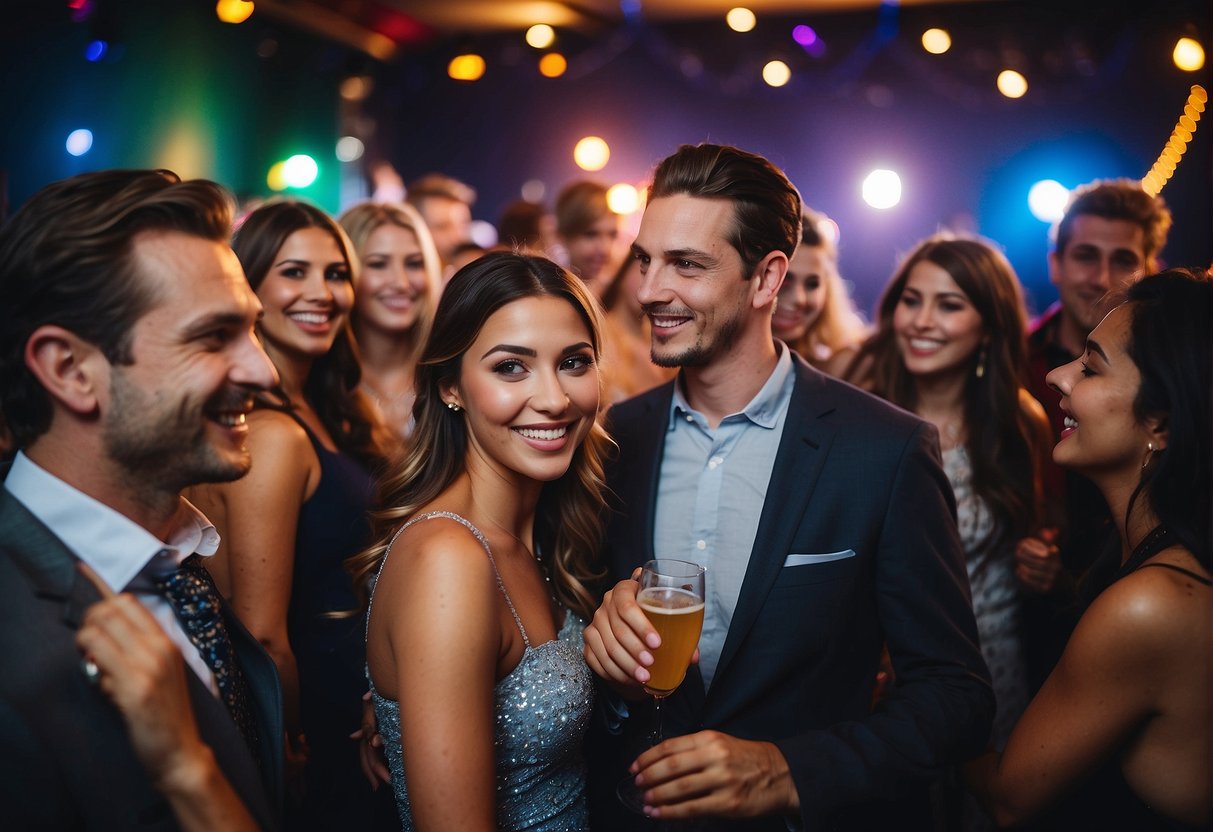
[(671, 595)]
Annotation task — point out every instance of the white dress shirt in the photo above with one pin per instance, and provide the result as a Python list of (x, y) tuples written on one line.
[(122, 553)]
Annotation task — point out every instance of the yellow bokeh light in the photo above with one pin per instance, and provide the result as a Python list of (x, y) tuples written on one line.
[(540, 36), (623, 198), (1012, 84), (276, 178), (552, 65), (1198, 96), (1187, 124), (1171, 153), (936, 41), (740, 19), (469, 67), (1188, 55), (776, 73), (591, 153), (234, 11)]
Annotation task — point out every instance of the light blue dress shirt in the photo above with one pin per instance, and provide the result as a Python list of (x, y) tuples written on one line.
[(711, 491)]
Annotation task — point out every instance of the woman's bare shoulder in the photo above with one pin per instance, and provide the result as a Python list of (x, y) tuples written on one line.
[(1150, 610)]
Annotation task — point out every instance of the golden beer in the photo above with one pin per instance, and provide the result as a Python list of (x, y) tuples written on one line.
[(677, 616)]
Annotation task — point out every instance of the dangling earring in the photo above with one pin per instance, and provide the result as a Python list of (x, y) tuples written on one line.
[(981, 363), (1149, 454), (454, 407)]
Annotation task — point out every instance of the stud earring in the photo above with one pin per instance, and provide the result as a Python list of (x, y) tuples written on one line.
[(454, 407), (980, 371)]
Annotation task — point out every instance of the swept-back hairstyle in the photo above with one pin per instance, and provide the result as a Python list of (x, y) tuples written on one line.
[(331, 387), (1119, 199), (364, 219), (1001, 442), (766, 206), (67, 258), (1171, 318), (570, 516), (838, 326)]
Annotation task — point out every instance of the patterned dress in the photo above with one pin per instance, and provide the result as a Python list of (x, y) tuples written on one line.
[(542, 712)]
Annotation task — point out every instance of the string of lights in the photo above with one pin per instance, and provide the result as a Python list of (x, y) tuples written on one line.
[(1164, 167)]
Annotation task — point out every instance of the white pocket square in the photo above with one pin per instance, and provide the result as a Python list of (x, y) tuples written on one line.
[(804, 560)]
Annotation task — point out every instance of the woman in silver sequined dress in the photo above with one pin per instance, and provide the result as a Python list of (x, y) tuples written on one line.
[(480, 570)]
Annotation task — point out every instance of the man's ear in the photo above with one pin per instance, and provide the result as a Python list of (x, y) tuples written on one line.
[(70, 369), (768, 277), (1054, 266)]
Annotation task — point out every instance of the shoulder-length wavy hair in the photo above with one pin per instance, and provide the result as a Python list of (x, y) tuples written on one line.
[(331, 387), (1001, 441), (571, 513), (1171, 318), (364, 219), (838, 326)]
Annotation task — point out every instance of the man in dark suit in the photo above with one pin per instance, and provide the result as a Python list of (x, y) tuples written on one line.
[(827, 528), (127, 366)]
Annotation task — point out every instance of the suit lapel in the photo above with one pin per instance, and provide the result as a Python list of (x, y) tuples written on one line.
[(803, 448), (52, 569)]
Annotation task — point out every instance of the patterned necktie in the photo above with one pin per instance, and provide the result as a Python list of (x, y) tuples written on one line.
[(192, 594)]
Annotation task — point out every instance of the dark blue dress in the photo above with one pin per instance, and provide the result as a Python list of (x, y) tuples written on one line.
[(331, 652)]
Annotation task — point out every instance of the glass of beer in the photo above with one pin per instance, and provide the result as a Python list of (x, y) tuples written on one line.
[(671, 595)]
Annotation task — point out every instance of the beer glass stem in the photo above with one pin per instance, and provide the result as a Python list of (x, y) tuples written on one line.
[(656, 737)]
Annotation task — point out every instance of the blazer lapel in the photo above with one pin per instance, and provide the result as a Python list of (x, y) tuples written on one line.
[(803, 449)]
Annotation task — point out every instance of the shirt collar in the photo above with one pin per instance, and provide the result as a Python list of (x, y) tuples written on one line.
[(764, 409), (116, 547)]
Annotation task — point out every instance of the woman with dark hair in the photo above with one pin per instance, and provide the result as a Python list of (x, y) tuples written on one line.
[(813, 313), (1125, 717), (949, 346), (482, 557), (288, 525)]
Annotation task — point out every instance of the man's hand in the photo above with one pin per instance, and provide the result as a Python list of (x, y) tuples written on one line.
[(619, 641), (710, 774), (370, 746), (1038, 562), (138, 667), (142, 672)]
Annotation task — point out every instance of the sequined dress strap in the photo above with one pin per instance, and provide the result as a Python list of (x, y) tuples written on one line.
[(463, 521)]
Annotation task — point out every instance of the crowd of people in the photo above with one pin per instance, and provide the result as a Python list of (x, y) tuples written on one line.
[(315, 522)]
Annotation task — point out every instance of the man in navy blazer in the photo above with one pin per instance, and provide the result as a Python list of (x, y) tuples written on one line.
[(128, 363), (825, 519)]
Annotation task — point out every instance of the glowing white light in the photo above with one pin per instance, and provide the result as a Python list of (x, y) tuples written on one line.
[(623, 198), (882, 189), (79, 142), (350, 148), (776, 73), (1012, 84), (740, 19), (1047, 200), (540, 36), (300, 171), (591, 153)]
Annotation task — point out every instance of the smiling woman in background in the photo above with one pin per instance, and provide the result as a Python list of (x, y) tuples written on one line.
[(950, 347), (395, 294), (813, 313), (289, 524)]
